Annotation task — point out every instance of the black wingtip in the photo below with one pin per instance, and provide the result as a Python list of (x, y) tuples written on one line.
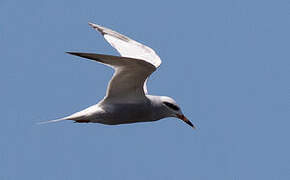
[(73, 53)]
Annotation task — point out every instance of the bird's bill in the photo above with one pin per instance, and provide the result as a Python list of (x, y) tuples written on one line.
[(183, 118)]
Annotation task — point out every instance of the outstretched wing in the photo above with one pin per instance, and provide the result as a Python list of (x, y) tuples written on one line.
[(129, 48), (128, 79)]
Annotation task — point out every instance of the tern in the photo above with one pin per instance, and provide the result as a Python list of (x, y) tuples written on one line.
[(127, 99)]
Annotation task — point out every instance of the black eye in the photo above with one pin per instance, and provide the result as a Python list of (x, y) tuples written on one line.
[(172, 106)]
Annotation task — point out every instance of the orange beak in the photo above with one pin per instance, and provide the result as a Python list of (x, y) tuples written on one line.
[(183, 118)]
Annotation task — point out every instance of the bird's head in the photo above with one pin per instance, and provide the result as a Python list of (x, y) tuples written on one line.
[(171, 109)]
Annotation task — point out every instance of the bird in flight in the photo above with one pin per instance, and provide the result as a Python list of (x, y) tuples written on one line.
[(127, 99)]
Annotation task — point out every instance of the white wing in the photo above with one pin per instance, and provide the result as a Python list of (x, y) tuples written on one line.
[(129, 48), (128, 79)]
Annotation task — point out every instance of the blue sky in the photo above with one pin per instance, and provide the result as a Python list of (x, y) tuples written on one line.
[(225, 62)]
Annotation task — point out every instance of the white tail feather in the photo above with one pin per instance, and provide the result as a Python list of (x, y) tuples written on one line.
[(52, 121)]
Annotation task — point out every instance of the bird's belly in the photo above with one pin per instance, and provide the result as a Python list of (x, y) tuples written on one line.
[(126, 114)]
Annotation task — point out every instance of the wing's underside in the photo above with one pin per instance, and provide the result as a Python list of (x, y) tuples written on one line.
[(131, 70), (129, 77)]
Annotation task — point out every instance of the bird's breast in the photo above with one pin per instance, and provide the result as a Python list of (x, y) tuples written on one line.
[(128, 113)]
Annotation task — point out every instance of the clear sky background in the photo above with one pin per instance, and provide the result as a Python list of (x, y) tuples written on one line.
[(225, 62)]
